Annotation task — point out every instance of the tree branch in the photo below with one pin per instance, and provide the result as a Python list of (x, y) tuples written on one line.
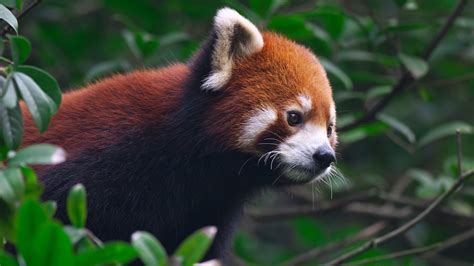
[(402, 229), (408, 225), (322, 207), (406, 79), (428, 251), (365, 233)]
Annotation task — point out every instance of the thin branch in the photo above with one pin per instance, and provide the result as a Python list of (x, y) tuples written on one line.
[(459, 149), (364, 234), (25, 11), (402, 229), (322, 207), (443, 213), (408, 225), (428, 251), (449, 82), (395, 255), (406, 79), (443, 261), (451, 242), (386, 211)]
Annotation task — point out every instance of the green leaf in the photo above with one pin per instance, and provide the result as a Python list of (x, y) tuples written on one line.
[(363, 131), (50, 208), (355, 55), (75, 234), (415, 65), (18, 4), (41, 107), (52, 247), (38, 154), (265, 7), (8, 17), (332, 18), (398, 126), (142, 44), (112, 252), (337, 72), (20, 48), (7, 222), (195, 246), (45, 81), (12, 186), (422, 176), (8, 3), (9, 99), (107, 68), (398, 28), (12, 126), (292, 26), (7, 260), (378, 91), (32, 188), (341, 96), (445, 130), (149, 249), (31, 216), (77, 205)]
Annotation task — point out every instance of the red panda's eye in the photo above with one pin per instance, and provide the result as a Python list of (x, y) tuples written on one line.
[(330, 129), (294, 118)]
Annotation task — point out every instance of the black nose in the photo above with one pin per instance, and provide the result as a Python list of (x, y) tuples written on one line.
[(323, 157)]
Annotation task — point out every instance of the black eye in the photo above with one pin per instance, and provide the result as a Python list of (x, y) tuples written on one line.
[(294, 118), (330, 129)]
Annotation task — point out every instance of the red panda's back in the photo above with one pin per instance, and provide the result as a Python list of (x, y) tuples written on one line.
[(99, 114)]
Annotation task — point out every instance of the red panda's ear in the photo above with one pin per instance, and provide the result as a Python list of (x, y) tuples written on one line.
[(234, 37)]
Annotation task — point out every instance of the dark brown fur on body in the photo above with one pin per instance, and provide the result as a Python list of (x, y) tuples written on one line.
[(157, 153)]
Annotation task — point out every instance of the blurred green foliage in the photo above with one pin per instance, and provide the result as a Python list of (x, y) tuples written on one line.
[(363, 44)]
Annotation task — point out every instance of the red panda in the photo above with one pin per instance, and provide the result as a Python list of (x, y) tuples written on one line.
[(175, 149)]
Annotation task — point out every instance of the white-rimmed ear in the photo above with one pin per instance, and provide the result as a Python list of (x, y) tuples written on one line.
[(235, 37)]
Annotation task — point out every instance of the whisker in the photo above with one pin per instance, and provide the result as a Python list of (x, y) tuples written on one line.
[(268, 143), (245, 163)]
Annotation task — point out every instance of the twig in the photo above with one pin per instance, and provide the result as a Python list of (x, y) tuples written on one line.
[(406, 79), (380, 240), (421, 204), (25, 11), (365, 233), (386, 211), (449, 82), (94, 239), (428, 251), (408, 225), (451, 242), (320, 208), (459, 149), (443, 261), (395, 255)]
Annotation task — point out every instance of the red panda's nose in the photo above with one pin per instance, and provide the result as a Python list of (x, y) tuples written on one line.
[(323, 157)]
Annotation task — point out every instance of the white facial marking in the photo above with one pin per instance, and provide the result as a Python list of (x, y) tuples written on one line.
[(256, 124), (305, 102), (299, 148), (222, 59), (333, 113)]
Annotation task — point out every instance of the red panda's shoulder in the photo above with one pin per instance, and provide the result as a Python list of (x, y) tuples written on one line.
[(98, 113)]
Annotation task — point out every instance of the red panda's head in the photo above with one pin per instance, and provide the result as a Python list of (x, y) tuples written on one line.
[(270, 97)]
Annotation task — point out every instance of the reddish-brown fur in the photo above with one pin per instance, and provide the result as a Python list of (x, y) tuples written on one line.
[(123, 102), (285, 70), (157, 153)]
